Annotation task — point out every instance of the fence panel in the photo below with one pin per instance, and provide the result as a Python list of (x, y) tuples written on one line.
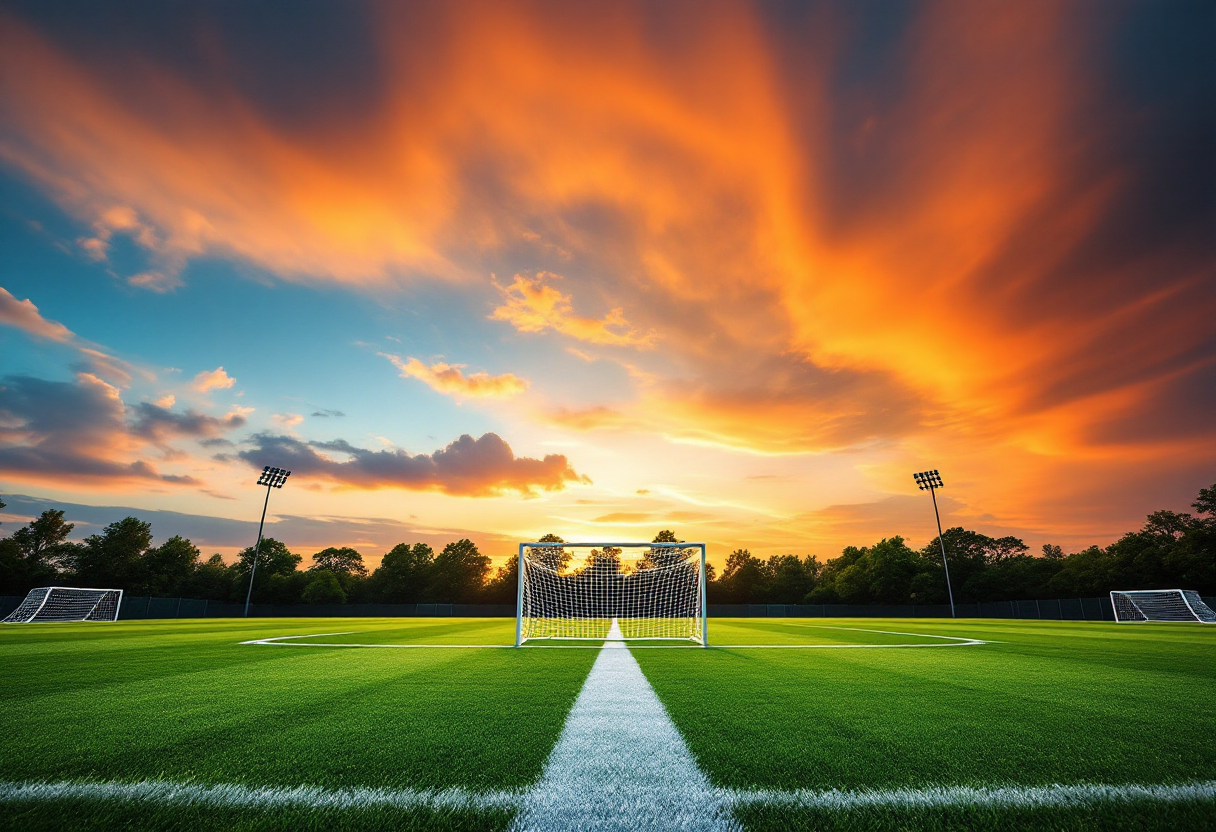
[(135, 607), (8, 603)]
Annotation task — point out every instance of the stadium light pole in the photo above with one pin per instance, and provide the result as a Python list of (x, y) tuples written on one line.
[(271, 478), (931, 481)]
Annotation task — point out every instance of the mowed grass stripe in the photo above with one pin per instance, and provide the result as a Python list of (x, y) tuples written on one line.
[(1035, 710), (330, 718)]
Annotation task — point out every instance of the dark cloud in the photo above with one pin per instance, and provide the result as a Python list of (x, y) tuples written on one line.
[(57, 430), (160, 424), (466, 467), (327, 414)]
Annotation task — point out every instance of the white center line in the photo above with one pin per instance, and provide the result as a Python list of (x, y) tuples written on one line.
[(620, 763)]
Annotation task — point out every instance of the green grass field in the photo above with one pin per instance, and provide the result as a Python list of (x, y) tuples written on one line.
[(185, 702)]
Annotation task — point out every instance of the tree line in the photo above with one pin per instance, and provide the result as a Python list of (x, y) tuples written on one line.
[(1172, 549)]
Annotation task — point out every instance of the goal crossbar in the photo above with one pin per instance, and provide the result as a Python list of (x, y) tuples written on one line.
[(658, 595)]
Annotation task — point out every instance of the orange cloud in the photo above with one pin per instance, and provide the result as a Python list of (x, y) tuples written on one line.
[(532, 306), (24, 315), (956, 247), (450, 380), (209, 380)]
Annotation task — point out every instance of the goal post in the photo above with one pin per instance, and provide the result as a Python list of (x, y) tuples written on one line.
[(631, 591), (67, 603), (1140, 605)]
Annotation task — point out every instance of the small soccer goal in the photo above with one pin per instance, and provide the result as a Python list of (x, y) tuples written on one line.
[(67, 603), (1160, 605), (631, 591)]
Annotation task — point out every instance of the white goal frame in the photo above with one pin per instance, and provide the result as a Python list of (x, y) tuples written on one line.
[(701, 610), (1133, 606), (36, 600)]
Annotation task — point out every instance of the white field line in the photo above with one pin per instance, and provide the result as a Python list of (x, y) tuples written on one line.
[(620, 763), (1011, 797), (290, 641), (956, 641), (286, 641), (235, 796)]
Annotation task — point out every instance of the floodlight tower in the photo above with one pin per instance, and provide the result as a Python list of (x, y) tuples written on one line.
[(931, 481), (271, 478)]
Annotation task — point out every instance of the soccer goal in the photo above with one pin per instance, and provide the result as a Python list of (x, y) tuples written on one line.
[(1160, 605), (626, 591), (67, 603)]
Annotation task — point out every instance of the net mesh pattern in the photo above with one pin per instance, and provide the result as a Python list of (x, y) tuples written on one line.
[(61, 603), (1161, 605), (576, 591)]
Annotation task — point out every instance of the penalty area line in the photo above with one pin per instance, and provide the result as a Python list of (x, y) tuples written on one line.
[(960, 640), (285, 641)]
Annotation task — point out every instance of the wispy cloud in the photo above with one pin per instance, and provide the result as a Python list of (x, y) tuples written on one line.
[(532, 305), (24, 315), (451, 380)]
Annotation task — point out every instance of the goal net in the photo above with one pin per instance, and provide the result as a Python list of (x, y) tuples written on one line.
[(1161, 605), (67, 603), (631, 590)]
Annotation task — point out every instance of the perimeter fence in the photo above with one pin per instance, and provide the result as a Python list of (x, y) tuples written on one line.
[(1059, 609)]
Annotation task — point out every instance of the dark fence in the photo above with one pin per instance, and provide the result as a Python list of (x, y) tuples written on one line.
[(1065, 609), (1060, 609), (144, 607)]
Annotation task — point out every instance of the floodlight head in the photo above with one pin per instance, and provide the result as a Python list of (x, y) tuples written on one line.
[(273, 477), (928, 480)]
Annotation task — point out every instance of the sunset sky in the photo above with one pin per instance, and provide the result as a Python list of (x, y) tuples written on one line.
[(598, 269)]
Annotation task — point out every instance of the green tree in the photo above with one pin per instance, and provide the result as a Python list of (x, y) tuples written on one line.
[(343, 561), (275, 580), (30, 556), (324, 588), (1205, 503), (665, 555), (274, 558), (115, 558), (602, 562), (892, 567), (404, 574), (743, 580), (556, 558), (458, 573), (790, 579), (503, 588), (209, 579), (168, 568)]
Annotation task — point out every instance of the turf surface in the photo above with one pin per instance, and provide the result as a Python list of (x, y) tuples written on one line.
[(1044, 702), (185, 701)]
